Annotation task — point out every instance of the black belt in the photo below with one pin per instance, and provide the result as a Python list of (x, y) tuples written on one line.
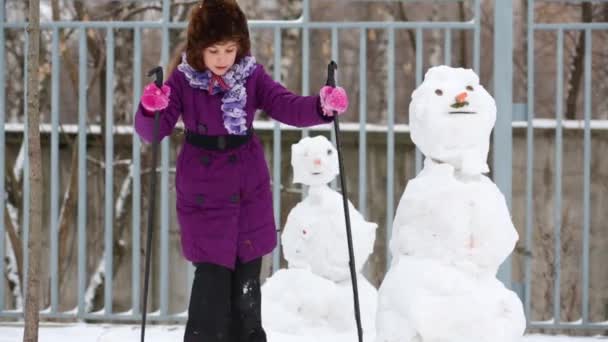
[(218, 142)]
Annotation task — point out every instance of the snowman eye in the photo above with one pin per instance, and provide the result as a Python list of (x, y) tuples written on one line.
[(439, 92), (470, 88), (329, 152)]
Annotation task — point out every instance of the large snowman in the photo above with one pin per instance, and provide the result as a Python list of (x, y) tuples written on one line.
[(452, 228), (315, 292)]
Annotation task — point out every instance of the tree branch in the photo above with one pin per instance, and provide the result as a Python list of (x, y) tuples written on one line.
[(139, 10)]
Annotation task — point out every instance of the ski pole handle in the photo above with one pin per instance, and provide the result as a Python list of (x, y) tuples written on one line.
[(158, 73), (331, 74)]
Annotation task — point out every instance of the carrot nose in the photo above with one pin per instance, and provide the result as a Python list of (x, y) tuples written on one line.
[(460, 98), (317, 162)]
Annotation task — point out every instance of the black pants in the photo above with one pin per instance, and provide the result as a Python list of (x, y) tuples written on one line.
[(225, 305)]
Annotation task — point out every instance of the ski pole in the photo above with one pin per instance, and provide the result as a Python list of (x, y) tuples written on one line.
[(158, 72), (331, 81)]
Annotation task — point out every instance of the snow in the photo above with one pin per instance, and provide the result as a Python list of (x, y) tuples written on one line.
[(12, 274), (567, 124), (156, 333), (298, 302), (46, 12), (19, 163), (95, 281)]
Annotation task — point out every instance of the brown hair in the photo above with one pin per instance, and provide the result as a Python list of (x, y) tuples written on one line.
[(212, 22)]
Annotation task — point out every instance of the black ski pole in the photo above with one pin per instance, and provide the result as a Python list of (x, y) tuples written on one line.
[(158, 72), (331, 81)]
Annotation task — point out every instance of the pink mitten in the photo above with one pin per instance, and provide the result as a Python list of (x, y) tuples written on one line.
[(154, 98), (333, 99)]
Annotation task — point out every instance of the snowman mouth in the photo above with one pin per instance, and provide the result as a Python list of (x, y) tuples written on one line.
[(316, 173), (463, 112)]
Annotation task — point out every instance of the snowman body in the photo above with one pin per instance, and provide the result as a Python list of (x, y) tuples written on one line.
[(315, 235)]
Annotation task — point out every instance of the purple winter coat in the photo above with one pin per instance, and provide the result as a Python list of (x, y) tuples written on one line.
[(224, 198)]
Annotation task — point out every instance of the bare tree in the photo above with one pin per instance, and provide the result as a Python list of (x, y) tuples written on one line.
[(462, 13), (577, 66), (32, 300)]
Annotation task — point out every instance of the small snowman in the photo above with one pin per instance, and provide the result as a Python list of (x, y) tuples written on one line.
[(315, 292), (315, 235), (452, 228)]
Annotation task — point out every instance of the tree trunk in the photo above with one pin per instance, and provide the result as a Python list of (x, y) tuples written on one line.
[(66, 215), (577, 65), (462, 12), (410, 33), (32, 300)]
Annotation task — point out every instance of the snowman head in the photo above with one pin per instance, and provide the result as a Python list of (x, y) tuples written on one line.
[(450, 112), (314, 161)]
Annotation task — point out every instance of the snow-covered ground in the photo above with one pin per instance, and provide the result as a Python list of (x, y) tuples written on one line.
[(124, 333)]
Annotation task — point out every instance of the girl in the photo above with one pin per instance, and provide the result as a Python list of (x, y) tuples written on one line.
[(224, 199)]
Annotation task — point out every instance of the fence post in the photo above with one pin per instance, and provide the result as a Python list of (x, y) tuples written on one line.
[(2, 155), (503, 93)]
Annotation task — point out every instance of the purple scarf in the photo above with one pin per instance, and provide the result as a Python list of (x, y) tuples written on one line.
[(233, 88)]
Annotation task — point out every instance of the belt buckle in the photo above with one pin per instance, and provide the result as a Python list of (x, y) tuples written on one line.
[(221, 142)]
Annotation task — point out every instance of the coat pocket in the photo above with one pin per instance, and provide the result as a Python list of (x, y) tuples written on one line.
[(208, 214)]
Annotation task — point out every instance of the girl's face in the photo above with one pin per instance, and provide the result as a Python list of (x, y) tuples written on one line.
[(220, 57)]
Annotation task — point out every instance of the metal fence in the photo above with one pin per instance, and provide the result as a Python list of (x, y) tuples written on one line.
[(559, 29), (502, 174)]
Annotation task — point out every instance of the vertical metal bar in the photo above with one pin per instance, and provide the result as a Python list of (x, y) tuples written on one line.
[(26, 171), (305, 54), (363, 122), (419, 67), (55, 89), (390, 140), (477, 34), (82, 169), (136, 174), (306, 10), (2, 155), (447, 47), (276, 157), (334, 57), (529, 166), (558, 175), (305, 65), (503, 85), (109, 193), (587, 174), (164, 184)]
